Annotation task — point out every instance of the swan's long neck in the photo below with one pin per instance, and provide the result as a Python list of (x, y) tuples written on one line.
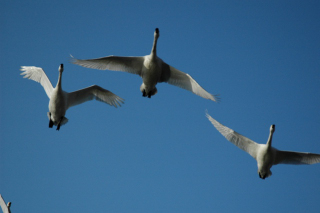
[(269, 142), (58, 86), (155, 40), (59, 81), (154, 47)]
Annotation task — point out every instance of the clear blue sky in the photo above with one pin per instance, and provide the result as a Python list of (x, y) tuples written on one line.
[(160, 154)]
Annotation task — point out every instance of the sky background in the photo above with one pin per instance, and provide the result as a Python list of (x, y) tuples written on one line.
[(160, 154)]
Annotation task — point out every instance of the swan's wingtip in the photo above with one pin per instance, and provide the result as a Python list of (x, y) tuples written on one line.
[(72, 60), (119, 102), (211, 119), (216, 98), (23, 68), (207, 114)]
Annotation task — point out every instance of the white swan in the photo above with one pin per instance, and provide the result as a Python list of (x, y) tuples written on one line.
[(265, 155), (5, 208), (61, 101), (151, 69)]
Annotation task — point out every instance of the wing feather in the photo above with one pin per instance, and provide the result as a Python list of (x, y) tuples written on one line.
[(37, 74), (237, 139), (93, 92), (183, 80), (116, 63), (289, 157), (3, 205)]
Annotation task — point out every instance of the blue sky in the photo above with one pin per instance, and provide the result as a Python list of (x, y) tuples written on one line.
[(160, 154)]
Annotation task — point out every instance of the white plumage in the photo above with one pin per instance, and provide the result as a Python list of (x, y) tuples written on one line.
[(61, 101), (152, 70), (5, 207), (265, 155)]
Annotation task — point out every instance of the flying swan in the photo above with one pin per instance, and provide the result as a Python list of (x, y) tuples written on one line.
[(5, 208), (151, 69), (265, 155), (61, 101)]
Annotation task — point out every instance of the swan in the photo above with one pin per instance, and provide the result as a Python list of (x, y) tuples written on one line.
[(61, 101), (151, 69), (265, 155), (5, 208)]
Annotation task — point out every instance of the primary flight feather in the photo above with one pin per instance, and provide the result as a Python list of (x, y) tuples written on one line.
[(152, 70), (61, 101), (265, 155)]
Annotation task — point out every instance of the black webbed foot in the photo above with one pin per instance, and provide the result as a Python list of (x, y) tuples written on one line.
[(144, 94), (50, 121), (59, 124)]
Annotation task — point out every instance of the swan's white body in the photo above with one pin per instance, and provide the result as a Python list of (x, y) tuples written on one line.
[(265, 155), (152, 70), (5, 207), (61, 101)]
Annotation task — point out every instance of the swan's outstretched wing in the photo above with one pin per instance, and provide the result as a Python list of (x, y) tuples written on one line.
[(93, 92), (37, 74), (116, 63), (240, 141), (185, 81), (288, 157), (3, 205)]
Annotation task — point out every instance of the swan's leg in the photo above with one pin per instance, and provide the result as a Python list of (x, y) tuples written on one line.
[(152, 92), (144, 94), (50, 121), (59, 123)]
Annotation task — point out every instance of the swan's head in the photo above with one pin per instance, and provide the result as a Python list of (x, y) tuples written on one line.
[(272, 128), (61, 68), (156, 33)]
